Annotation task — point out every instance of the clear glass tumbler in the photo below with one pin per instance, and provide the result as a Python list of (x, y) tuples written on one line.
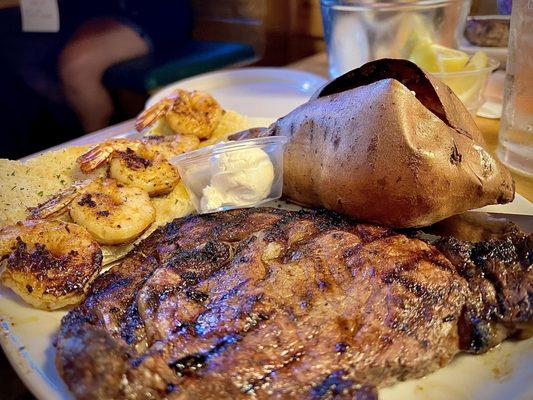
[(515, 147), (358, 31)]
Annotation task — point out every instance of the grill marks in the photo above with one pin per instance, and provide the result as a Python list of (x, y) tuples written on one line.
[(189, 364), (168, 301), (240, 311), (335, 385), (265, 302), (507, 265), (409, 268)]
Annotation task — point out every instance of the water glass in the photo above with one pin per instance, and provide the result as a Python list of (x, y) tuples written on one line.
[(515, 147), (358, 31)]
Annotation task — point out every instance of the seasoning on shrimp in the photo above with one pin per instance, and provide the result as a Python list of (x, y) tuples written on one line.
[(111, 212), (142, 163), (183, 112), (49, 264), (144, 169)]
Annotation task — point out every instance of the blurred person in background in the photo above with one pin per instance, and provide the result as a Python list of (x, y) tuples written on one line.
[(44, 74)]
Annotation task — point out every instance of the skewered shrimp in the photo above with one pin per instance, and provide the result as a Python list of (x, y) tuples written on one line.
[(142, 163), (50, 264), (187, 113), (111, 212)]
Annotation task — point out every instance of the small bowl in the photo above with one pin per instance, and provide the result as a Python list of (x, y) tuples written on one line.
[(230, 175), (488, 30), (469, 86)]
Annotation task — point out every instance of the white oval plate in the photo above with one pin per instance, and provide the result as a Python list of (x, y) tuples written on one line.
[(255, 92), (506, 372)]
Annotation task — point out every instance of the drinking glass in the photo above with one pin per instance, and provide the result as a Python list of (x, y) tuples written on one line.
[(358, 31), (515, 146)]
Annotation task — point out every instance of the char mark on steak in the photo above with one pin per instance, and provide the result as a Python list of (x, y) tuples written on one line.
[(500, 277), (266, 303)]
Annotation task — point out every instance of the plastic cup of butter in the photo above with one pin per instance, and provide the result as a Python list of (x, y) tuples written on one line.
[(237, 174)]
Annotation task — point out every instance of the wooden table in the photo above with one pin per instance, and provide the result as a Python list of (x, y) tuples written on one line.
[(318, 64)]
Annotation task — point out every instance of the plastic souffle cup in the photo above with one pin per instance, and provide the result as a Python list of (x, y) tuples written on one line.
[(230, 175), (469, 85)]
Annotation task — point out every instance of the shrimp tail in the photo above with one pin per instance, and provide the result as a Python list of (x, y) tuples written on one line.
[(99, 154), (93, 158), (57, 204), (153, 113)]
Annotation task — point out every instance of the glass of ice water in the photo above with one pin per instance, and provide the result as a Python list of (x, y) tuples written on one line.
[(515, 147), (358, 31)]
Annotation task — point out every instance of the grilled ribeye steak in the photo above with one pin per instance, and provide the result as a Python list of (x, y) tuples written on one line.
[(267, 303)]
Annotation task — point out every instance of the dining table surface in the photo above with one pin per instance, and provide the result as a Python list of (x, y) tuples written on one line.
[(316, 64)]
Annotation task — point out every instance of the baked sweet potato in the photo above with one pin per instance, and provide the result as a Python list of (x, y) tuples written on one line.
[(388, 144)]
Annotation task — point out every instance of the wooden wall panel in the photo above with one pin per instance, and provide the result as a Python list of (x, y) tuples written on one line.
[(293, 30), (231, 20), (8, 3), (252, 34), (230, 9), (306, 18), (281, 30)]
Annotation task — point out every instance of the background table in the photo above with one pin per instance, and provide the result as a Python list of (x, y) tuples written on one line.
[(318, 64)]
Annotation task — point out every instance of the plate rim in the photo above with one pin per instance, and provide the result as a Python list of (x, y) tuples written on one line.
[(21, 361), (289, 75)]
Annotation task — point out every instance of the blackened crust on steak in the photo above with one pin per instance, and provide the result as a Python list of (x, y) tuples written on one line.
[(500, 277), (334, 386), (265, 303)]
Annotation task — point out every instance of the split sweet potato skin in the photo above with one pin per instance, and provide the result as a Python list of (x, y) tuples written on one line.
[(388, 144), (377, 154)]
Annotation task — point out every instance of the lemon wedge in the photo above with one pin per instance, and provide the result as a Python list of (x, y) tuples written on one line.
[(469, 87), (478, 61), (413, 29), (436, 58), (450, 60), (423, 56), (464, 76)]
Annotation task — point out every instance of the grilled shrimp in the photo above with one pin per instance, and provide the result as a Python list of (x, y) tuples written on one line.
[(99, 154), (111, 212), (50, 264), (143, 169), (142, 162), (170, 146), (183, 112), (57, 204)]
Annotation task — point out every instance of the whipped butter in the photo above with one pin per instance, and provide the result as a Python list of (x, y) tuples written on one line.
[(238, 178)]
